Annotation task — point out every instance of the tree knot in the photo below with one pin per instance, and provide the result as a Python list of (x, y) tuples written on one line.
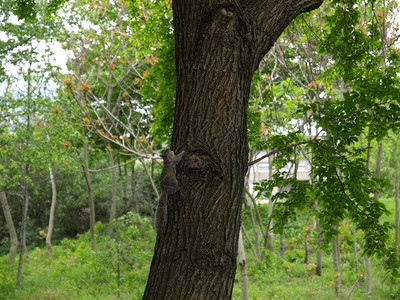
[(226, 12)]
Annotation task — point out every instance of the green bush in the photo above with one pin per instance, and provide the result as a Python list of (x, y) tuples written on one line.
[(117, 268)]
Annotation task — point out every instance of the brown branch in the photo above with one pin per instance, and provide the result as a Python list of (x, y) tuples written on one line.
[(12, 47), (113, 167), (314, 139)]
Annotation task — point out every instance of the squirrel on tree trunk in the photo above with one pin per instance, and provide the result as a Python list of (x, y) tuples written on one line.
[(169, 186)]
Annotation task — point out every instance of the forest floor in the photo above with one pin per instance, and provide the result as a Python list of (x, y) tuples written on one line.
[(117, 272)]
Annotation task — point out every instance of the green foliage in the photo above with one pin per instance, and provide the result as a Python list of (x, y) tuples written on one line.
[(28, 9), (289, 278), (35, 24), (88, 274), (333, 76), (340, 98), (156, 39), (117, 269)]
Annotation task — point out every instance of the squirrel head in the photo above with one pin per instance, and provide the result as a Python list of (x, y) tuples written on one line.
[(169, 157)]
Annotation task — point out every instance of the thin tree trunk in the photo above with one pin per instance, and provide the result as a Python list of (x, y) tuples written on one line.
[(356, 267), (243, 268), (151, 178), (306, 250), (368, 283), (336, 266), (318, 270), (282, 245), (269, 243), (114, 198), (397, 212), (123, 178), (49, 247), (252, 247), (23, 246), (134, 202), (86, 175), (259, 219), (367, 260), (256, 236), (11, 228)]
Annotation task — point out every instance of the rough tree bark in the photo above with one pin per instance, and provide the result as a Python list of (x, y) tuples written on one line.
[(219, 45)]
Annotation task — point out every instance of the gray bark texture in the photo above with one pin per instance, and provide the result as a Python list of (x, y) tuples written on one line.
[(11, 228), (219, 45), (49, 246), (336, 266), (86, 175), (243, 268), (114, 197)]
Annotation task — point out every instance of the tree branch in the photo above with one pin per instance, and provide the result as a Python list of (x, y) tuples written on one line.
[(12, 47), (314, 139), (113, 167), (271, 18)]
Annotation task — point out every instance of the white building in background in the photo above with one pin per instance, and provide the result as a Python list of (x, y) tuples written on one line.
[(260, 171)]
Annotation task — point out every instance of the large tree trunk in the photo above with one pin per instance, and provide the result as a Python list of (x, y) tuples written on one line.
[(218, 47), (11, 228)]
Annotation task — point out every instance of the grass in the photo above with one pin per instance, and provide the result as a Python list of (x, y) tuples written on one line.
[(69, 276), (296, 281), (77, 272), (390, 206)]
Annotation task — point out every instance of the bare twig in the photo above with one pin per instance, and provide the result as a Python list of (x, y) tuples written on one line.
[(113, 167)]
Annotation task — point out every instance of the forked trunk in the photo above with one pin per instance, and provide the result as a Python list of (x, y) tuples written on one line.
[(218, 47)]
